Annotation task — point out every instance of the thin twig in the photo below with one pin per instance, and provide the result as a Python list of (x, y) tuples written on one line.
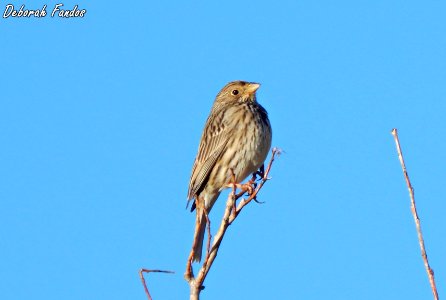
[(230, 214), (430, 272), (141, 275), (259, 186), (208, 227)]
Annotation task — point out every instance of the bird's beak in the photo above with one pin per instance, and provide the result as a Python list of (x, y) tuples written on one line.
[(252, 88)]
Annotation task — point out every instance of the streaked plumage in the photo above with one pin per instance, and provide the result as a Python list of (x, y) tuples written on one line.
[(237, 135)]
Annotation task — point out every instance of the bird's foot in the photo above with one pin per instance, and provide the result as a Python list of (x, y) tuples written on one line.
[(245, 187), (260, 172)]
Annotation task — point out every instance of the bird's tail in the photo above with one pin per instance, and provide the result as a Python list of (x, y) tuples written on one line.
[(200, 228)]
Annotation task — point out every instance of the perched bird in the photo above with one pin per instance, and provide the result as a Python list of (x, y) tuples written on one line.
[(237, 135)]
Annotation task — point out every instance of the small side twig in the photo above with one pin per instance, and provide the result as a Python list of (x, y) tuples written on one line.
[(430, 272), (141, 275), (231, 212)]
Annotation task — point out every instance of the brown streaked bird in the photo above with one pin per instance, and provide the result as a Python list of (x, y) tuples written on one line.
[(237, 135)]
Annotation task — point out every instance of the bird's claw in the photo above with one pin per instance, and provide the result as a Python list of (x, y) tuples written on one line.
[(257, 201)]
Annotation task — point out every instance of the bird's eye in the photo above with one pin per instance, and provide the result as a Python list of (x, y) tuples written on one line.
[(234, 92)]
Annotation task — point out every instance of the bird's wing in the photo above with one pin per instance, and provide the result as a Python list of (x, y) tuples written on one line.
[(213, 143)]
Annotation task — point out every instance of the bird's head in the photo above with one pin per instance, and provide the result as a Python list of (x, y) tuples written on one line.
[(238, 91)]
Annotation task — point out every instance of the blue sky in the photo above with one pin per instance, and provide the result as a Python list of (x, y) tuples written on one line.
[(101, 117)]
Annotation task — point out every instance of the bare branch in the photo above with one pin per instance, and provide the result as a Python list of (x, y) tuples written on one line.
[(430, 272), (230, 214), (141, 275), (208, 226)]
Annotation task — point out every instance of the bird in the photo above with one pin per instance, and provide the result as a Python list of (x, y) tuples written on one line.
[(236, 140)]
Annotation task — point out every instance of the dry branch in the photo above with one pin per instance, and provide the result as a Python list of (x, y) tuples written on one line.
[(231, 212), (430, 272), (141, 275)]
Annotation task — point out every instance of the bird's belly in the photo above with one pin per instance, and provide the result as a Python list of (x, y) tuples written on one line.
[(254, 154)]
